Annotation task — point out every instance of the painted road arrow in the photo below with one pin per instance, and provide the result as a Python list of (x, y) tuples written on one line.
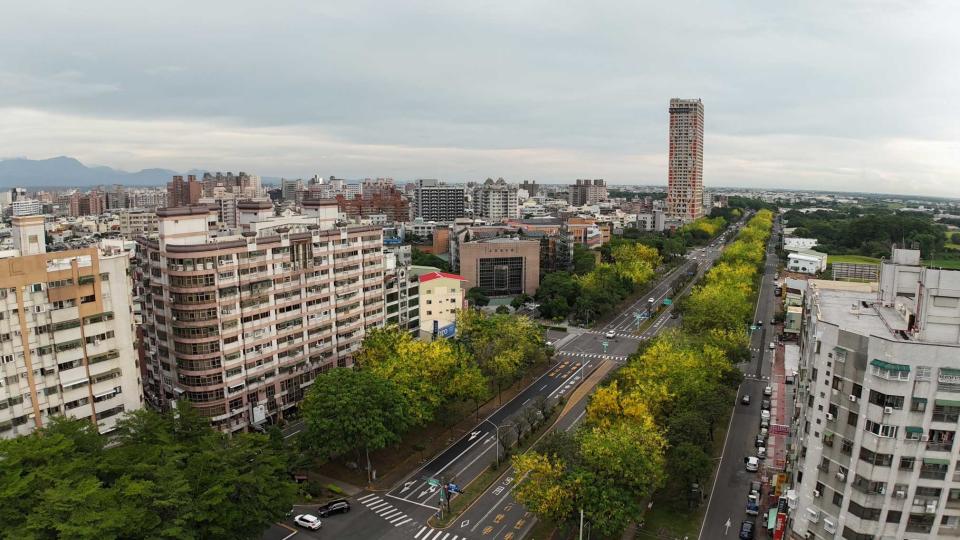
[(406, 485), (473, 435)]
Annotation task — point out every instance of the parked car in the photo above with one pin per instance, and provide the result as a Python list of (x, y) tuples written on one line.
[(764, 422), (768, 390), (308, 521), (752, 507), (751, 464), (759, 441), (762, 452), (745, 399), (755, 488), (764, 432), (773, 345), (339, 506), (746, 530), (765, 405), (764, 414), (610, 334)]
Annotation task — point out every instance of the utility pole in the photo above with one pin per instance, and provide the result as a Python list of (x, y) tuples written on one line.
[(581, 524)]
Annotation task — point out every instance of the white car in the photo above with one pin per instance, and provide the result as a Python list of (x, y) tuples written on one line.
[(307, 521), (752, 464), (610, 334)]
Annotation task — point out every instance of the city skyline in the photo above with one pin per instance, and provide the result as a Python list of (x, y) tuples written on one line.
[(800, 97)]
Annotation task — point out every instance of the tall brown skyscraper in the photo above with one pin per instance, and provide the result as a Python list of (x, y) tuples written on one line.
[(685, 182)]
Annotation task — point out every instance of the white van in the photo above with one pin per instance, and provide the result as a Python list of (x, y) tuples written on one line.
[(752, 464), (773, 345)]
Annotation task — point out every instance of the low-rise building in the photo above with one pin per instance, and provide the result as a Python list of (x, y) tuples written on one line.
[(807, 262), (442, 295), (137, 222), (501, 265)]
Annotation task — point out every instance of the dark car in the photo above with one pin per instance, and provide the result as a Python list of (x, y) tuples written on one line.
[(339, 506), (765, 405), (746, 530), (760, 441)]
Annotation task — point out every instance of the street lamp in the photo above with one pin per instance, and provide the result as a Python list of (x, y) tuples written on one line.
[(496, 429)]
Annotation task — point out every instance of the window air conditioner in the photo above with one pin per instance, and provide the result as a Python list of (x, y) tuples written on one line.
[(901, 494), (829, 417), (924, 438), (888, 410), (816, 494), (931, 508), (853, 398), (841, 477), (813, 515)]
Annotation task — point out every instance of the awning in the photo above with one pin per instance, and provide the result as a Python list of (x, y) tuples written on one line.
[(104, 394), (919, 400), (914, 429), (772, 518), (947, 402), (889, 366), (952, 372), (936, 461)]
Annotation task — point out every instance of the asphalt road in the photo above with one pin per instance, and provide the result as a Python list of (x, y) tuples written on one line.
[(728, 497), (403, 511)]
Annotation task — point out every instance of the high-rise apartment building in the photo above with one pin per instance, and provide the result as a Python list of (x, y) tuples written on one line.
[(66, 334), (240, 324), (137, 222), (182, 192), (587, 192), (685, 180), (878, 405), (436, 201), (241, 185), (495, 201)]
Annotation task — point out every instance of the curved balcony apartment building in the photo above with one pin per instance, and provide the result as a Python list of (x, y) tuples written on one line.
[(240, 324)]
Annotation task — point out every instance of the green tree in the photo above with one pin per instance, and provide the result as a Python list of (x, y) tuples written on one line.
[(584, 260), (348, 410), (420, 258), (477, 297), (687, 463)]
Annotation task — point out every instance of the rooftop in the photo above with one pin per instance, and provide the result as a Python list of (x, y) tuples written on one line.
[(437, 275)]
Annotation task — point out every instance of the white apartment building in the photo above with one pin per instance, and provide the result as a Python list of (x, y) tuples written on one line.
[(66, 334), (136, 222), (495, 201), (878, 405), (25, 207), (240, 324), (435, 201)]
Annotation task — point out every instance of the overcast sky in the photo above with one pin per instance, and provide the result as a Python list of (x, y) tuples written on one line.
[(852, 95)]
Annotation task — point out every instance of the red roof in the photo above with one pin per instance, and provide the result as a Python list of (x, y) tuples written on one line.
[(437, 275)]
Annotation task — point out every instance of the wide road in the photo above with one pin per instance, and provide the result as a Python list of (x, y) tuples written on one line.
[(728, 497), (403, 511)]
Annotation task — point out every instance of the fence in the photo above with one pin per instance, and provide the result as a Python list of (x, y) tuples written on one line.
[(855, 271)]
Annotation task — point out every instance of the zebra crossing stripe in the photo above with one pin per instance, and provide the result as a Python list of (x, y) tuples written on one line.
[(389, 513), (403, 522), (368, 496), (420, 532)]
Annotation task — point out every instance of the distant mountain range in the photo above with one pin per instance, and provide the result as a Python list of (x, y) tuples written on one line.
[(68, 172)]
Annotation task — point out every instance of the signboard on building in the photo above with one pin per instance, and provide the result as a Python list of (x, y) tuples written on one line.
[(258, 413), (392, 241), (447, 331)]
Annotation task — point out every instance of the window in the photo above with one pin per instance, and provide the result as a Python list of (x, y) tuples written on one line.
[(918, 404), (864, 512), (949, 522), (846, 447), (837, 498), (907, 462), (852, 418), (894, 516), (857, 390), (923, 373), (885, 400), (874, 458), (882, 430)]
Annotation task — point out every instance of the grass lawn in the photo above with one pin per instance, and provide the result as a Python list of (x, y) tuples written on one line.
[(950, 264), (852, 259), (948, 244)]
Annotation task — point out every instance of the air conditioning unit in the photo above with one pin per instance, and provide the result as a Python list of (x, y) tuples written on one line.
[(931, 508), (808, 535), (841, 477), (813, 515), (853, 398), (816, 494), (901, 494), (829, 417), (888, 410), (924, 438), (829, 526)]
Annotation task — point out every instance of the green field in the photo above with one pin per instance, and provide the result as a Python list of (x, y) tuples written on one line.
[(949, 264), (948, 244), (852, 259)]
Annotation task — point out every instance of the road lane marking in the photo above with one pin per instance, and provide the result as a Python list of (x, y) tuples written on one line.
[(368, 496), (390, 513), (416, 536), (403, 522)]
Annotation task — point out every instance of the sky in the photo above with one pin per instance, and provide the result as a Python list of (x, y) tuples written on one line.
[(836, 95)]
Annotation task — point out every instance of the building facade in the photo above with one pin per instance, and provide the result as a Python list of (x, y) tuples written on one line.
[(66, 335), (442, 295), (878, 406), (241, 324), (134, 223), (501, 266), (495, 201), (587, 192), (182, 192), (685, 177), (436, 201)]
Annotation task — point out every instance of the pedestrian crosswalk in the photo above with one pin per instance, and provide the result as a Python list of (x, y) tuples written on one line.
[(385, 510), (755, 378), (617, 334), (426, 533), (595, 355)]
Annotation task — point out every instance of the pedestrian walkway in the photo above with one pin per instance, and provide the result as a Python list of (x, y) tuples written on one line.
[(617, 334), (428, 534), (385, 510), (616, 357)]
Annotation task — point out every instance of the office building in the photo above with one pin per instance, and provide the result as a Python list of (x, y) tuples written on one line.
[(878, 405), (241, 185), (289, 188), (501, 265), (25, 207), (182, 192), (442, 295), (587, 192), (531, 187), (495, 201), (436, 201), (66, 334), (685, 180), (239, 323)]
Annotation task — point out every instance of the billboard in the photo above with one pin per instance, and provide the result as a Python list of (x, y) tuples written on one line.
[(447, 331)]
